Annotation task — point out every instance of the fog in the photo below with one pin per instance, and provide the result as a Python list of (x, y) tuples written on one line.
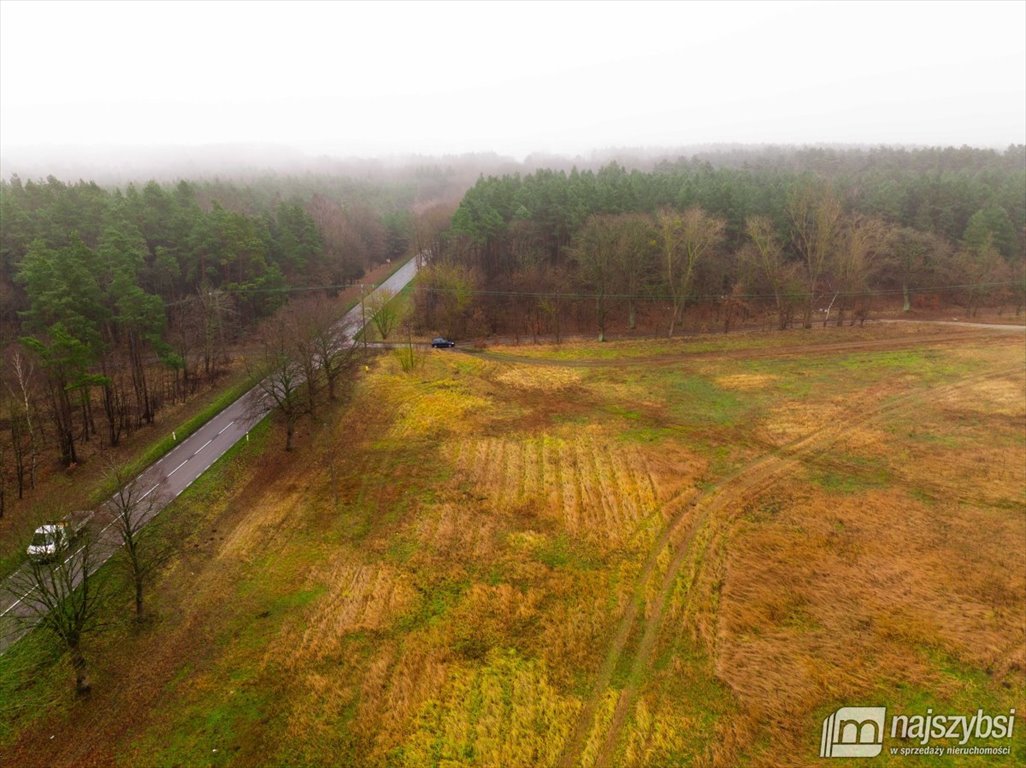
[(122, 90)]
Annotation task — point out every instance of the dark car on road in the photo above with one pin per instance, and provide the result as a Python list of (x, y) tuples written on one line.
[(441, 343)]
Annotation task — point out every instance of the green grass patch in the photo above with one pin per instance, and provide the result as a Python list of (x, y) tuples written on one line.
[(213, 730), (853, 475), (646, 434), (929, 365), (561, 552), (622, 412), (696, 400), (436, 601), (35, 680), (401, 550)]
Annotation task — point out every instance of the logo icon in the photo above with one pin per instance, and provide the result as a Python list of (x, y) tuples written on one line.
[(853, 732)]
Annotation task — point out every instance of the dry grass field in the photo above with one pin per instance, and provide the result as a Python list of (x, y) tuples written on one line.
[(639, 554)]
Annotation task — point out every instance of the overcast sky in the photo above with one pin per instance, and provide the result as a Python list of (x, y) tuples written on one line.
[(394, 78)]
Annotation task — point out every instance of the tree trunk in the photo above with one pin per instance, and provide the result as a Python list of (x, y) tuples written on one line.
[(906, 305), (673, 319), (781, 311), (78, 662), (329, 376), (138, 596), (110, 412), (63, 419), (807, 315)]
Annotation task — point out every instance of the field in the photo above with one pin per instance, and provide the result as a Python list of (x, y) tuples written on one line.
[(640, 554)]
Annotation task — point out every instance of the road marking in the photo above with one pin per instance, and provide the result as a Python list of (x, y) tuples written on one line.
[(225, 427), (149, 492), (17, 602), (204, 446), (178, 467)]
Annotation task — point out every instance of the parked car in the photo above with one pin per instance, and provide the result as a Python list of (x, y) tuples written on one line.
[(440, 342), (53, 538)]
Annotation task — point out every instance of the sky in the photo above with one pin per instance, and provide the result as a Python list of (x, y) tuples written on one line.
[(378, 79)]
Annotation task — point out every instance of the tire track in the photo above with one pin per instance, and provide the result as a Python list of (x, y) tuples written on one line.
[(752, 478)]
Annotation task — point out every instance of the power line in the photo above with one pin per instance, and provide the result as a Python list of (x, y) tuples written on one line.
[(581, 295), (704, 297)]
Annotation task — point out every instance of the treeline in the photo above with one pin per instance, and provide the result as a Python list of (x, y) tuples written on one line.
[(118, 302), (795, 232)]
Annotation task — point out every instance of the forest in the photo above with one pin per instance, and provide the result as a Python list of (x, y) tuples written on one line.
[(797, 235), (115, 303)]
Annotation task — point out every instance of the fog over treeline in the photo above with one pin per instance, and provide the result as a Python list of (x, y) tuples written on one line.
[(112, 166)]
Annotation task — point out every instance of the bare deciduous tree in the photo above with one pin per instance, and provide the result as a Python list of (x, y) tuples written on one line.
[(385, 312), (280, 375), (858, 241), (132, 508), (685, 239), (635, 258), (815, 214), (594, 250), (64, 598), (978, 271), (335, 350), (765, 256)]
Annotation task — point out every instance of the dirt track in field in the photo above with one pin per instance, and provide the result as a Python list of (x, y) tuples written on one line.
[(706, 511), (785, 352)]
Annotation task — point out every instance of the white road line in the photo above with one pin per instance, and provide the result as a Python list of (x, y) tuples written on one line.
[(204, 445), (178, 467), (225, 427), (149, 492), (17, 602)]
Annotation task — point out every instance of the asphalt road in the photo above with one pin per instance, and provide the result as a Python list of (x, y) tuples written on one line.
[(165, 480)]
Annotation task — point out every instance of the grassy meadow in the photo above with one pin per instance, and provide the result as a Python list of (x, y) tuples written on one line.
[(635, 554)]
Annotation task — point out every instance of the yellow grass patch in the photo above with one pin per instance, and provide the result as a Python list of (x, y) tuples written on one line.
[(396, 684), (456, 528), (603, 716), (502, 715), (1005, 397), (426, 413), (578, 618), (656, 735), (537, 377), (794, 420), (746, 382), (266, 523), (359, 597), (598, 488)]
